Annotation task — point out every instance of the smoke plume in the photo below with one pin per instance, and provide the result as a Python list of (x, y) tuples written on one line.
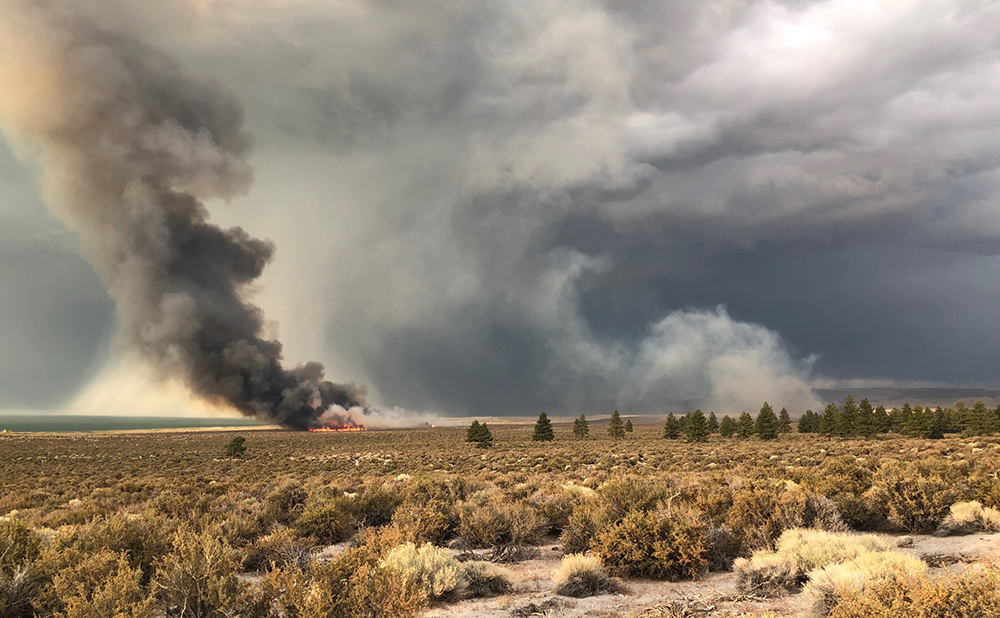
[(131, 147)]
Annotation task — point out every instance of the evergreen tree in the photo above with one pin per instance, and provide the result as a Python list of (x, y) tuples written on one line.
[(784, 422), (616, 429), (696, 428), (961, 417), (766, 427), (481, 435), (864, 424), (998, 413), (485, 438), (713, 423), (950, 426), (983, 422), (727, 427), (848, 416), (935, 431), (581, 428), (905, 419), (236, 447), (744, 426), (543, 429), (672, 428), (472, 431), (913, 420), (682, 422), (830, 420), (897, 419), (628, 426), (880, 420), (809, 422)]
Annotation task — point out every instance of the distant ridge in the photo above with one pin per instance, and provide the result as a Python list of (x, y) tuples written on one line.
[(891, 397)]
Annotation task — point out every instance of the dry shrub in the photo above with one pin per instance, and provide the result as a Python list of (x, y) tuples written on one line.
[(429, 567), (974, 593), (19, 544), (238, 528), (501, 525), (969, 518), (375, 505), (767, 574), (281, 547), (284, 504), (912, 499), (798, 552), (845, 481), (18, 590), (556, 506), (588, 519), (329, 522), (102, 584), (351, 586), (142, 538), (433, 522), (631, 493), (485, 579), (723, 547), (197, 578), (580, 576), (660, 544), (761, 513), (829, 584)]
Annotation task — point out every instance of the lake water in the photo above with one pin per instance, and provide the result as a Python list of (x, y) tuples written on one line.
[(65, 422)]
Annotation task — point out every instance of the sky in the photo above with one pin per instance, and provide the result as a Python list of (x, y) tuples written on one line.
[(500, 207)]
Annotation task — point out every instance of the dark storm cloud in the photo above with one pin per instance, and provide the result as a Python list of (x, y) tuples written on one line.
[(497, 206)]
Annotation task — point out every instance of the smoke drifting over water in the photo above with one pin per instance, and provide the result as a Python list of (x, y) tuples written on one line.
[(131, 146)]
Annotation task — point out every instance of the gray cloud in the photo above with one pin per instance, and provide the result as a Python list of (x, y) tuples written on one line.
[(499, 206)]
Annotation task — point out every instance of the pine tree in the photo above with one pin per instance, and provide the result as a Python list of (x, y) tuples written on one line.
[(880, 420), (809, 422), (713, 423), (472, 431), (696, 428), (936, 429), (897, 419), (744, 426), (236, 447), (830, 419), (672, 428), (913, 423), (727, 427), (543, 429), (961, 417), (682, 422), (950, 426), (616, 429), (482, 436), (848, 416), (628, 426), (766, 426), (983, 420), (581, 428), (784, 422), (864, 424)]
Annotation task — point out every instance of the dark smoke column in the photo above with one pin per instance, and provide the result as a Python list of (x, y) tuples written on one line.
[(131, 145)]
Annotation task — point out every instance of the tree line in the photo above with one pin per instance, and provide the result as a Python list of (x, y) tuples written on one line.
[(850, 420), (479, 434), (861, 420), (696, 427)]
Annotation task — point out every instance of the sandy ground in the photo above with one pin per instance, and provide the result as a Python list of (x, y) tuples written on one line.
[(711, 596)]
